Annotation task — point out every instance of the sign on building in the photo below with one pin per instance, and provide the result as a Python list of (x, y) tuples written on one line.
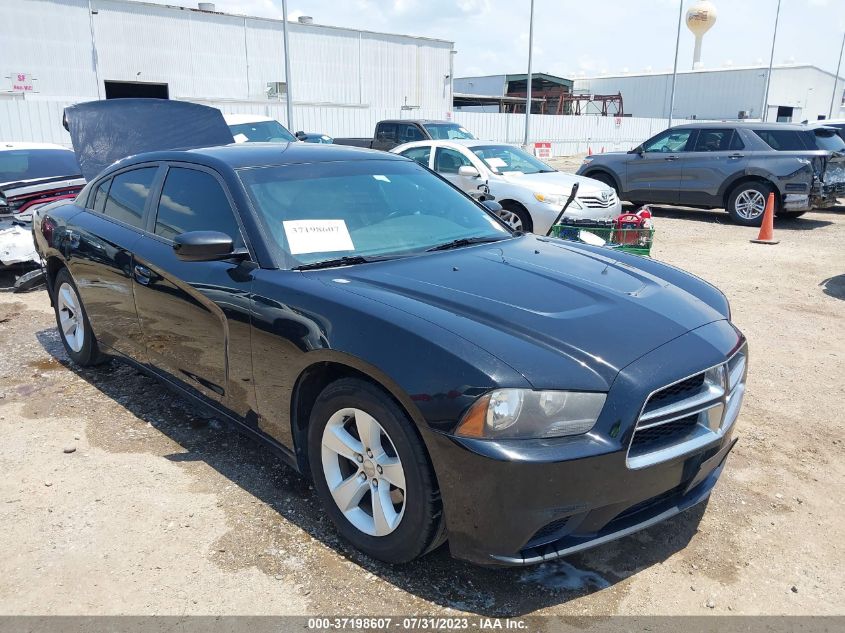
[(22, 82)]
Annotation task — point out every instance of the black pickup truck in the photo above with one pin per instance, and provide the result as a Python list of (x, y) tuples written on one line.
[(394, 132)]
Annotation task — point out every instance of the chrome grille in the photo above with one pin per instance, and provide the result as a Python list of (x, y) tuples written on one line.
[(688, 414), (598, 201)]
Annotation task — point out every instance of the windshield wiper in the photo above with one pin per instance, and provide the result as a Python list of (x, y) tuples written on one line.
[(464, 241), (331, 263)]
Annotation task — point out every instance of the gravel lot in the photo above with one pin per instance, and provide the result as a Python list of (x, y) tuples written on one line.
[(117, 498)]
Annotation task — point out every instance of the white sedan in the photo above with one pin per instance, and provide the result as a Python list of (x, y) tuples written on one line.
[(531, 192)]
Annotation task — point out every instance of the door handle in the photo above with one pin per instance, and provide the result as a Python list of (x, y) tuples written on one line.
[(143, 275), (735, 156), (671, 158)]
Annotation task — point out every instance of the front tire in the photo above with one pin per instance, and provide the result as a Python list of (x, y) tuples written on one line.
[(747, 203), (606, 179), (516, 216), (372, 473), (74, 328)]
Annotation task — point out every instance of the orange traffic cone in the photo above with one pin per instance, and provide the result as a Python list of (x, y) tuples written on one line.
[(767, 229), (602, 149), (589, 151)]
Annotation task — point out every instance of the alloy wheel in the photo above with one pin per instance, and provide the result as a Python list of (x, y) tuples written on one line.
[(750, 204), (70, 317), (511, 219), (363, 472)]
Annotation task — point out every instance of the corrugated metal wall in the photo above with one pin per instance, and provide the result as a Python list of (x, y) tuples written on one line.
[(202, 55), (41, 121), (722, 94)]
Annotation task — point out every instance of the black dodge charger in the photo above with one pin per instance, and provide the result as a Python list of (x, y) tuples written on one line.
[(440, 377)]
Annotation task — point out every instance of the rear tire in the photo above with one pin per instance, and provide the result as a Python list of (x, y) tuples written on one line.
[(747, 203), (372, 473), (72, 320)]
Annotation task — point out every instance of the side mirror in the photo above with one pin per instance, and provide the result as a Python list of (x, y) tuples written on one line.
[(638, 150), (204, 246), (468, 171), (492, 205), (301, 135)]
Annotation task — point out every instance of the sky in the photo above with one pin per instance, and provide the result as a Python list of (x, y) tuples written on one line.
[(575, 38)]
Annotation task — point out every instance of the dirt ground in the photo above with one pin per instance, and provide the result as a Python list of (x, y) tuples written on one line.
[(158, 510)]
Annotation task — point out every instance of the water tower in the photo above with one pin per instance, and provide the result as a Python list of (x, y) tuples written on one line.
[(701, 17)]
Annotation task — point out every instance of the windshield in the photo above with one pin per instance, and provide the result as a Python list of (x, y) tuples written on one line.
[(261, 132), (506, 158), (446, 131), (371, 208), (27, 164)]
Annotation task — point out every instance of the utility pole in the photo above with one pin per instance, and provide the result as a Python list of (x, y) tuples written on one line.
[(836, 80), (288, 97), (528, 82), (764, 112), (675, 71)]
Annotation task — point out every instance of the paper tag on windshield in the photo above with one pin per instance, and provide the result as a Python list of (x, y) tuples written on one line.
[(317, 236), (496, 162)]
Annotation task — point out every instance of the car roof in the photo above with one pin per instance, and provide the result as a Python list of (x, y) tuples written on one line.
[(742, 124), (235, 119), (18, 146), (241, 155)]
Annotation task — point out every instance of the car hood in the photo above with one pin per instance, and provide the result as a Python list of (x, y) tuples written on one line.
[(563, 315), (555, 182)]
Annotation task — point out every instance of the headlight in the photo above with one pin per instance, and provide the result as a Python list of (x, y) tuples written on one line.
[(555, 199), (524, 414)]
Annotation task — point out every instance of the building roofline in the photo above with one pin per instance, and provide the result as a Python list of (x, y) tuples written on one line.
[(699, 71), (295, 24)]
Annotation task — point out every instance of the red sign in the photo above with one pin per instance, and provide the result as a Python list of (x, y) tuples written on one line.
[(543, 150), (22, 82)]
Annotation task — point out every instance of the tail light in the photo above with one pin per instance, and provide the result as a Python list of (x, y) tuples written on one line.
[(48, 227)]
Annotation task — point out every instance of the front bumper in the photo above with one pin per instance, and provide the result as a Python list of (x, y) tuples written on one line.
[(527, 501)]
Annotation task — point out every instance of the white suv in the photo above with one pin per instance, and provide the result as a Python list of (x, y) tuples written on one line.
[(531, 192)]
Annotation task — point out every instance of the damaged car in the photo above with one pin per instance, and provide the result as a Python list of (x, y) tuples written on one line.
[(731, 166), (439, 376)]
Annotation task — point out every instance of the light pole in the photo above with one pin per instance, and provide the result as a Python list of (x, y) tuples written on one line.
[(528, 82), (675, 71), (836, 80), (288, 98), (764, 112)]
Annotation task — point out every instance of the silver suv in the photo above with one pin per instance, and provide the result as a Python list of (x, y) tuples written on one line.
[(732, 166)]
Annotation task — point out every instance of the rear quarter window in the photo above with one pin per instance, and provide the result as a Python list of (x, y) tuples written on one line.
[(128, 195), (783, 140)]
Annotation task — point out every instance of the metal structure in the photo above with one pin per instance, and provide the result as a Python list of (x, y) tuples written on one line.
[(603, 105), (836, 83), (701, 17), (675, 68)]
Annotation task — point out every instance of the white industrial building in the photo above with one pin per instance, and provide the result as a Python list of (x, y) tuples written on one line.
[(66, 51), (797, 93)]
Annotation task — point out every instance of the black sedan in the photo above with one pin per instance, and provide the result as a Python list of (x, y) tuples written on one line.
[(437, 375)]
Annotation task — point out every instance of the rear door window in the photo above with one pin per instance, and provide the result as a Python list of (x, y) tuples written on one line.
[(419, 154), (128, 195), (783, 140), (98, 203), (386, 132), (193, 200), (715, 140), (827, 140)]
